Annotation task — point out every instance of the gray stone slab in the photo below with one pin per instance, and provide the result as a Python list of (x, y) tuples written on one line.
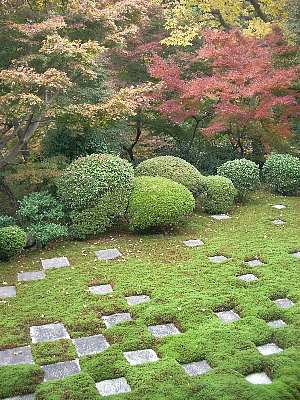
[(30, 276), (163, 330), (49, 332), (228, 316), (101, 289), (284, 303), (269, 349), (259, 378), (139, 357), (108, 254), (60, 370), (18, 355), (276, 324), (278, 222), (218, 259), (193, 243), (115, 319), (139, 299), (86, 346), (113, 387), (197, 368), (220, 217), (256, 262), (25, 397), (7, 291), (296, 254), (279, 206), (248, 278), (57, 262)]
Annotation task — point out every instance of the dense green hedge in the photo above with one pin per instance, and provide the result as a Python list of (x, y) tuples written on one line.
[(7, 220), (219, 195), (12, 241)]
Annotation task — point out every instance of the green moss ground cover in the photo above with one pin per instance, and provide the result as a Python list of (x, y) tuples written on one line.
[(185, 288)]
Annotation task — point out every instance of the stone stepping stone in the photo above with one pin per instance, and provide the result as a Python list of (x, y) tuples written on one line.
[(284, 303), (60, 370), (86, 346), (26, 397), (7, 291), (139, 299), (113, 386), (30, 276), (279, 206), (160, 331), (139, 357), (115, 319), (248, 278), (278, 222), (49, 332), (18, 355), (221, 217), (197, 368), (255, 262), (108, 254), (276, 324), (218, 259), (58, 262), (228, 316), (101, 289), (269, 349), (193, 243), (297, 254), (258, 378)]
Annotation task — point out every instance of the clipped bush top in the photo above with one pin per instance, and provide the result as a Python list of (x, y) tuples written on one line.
[(219, 195), (12, 241)]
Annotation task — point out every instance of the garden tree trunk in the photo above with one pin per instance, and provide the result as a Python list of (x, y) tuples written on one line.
[(138, 126), (217, 14), (257, 7), (4, 188)]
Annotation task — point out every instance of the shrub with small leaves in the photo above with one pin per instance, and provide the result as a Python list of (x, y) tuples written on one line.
[(243, 173), (219, 195), (12, 241), (6, 220), (43, 233), (158, 202), (282, 173)]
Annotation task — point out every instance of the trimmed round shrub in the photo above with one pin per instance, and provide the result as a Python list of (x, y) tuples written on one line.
[(219, 195), (282, 173), (43, 233), (7, 220), (243, 173), (174, 168), (158, 202), (12, 241)]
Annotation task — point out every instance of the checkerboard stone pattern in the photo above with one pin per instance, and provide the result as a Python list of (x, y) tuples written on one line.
[(269, 349), (164, 330), (197, 368), (279, 206), (221, 217), (278, 222), (7, 291), (18, 355), (30, 276), (276, 324), (248, 278), (193, 243), (60, 370), (259, 378), (255, 262), (296, 254), (115, 319), (228, 316), (283, 303), (86, 346), (113, 387), (108, 254), (25, 397), (139, 299), (101, 289), (58, 262), (139, 357), (218, 259), (49, 332)]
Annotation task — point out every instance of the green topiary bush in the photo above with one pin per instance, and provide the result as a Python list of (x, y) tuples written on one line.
[(174, 168), (43, 233), (219, 195), (12, 241), (6, 220), (158, 202), (243, 173), (282, 173)]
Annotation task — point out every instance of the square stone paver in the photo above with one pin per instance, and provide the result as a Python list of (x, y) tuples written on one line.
[(268, 349), (139, 299), (49, 332), (218, 259), (7, 291), (278, 222), (114, 319), (258, 378), (113, 386), (101, 289), (256, 262), (220, 217), (296, 254), (139, 357), (197, 368), (248, 278), (276, 324), (163, 330), (18, 355), (58, 262), (193, 243), (108, 254), (228, 316), (90, 345), (25, 397), (284, 303), (279, 206), (60, 370), (30, 276)]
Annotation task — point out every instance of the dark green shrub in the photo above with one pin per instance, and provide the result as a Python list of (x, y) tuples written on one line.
[(219, 195), (12, 241), (158, 202), (173, 168), (282, 173), (6, 220), (44, 233), (243, 173)]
